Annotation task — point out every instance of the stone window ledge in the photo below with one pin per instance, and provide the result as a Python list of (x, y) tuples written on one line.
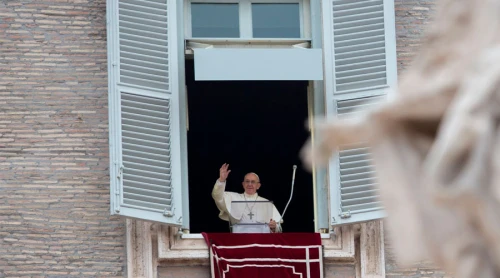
[(174, 247)]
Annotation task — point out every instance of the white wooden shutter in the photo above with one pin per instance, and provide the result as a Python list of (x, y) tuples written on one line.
[(144, 110), (360, 65)]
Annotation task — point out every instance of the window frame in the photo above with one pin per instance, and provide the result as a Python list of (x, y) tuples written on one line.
[(245, 18)]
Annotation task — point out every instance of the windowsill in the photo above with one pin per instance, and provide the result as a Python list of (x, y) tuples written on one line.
[(199, 236), (175, 248)]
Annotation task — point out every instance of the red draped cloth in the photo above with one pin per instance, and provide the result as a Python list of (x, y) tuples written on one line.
[(265, 255)]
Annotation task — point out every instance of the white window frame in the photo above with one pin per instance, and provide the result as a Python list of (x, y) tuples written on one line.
[(245, 17)]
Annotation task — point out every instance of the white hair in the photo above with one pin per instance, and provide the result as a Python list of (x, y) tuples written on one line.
[(252, 173)]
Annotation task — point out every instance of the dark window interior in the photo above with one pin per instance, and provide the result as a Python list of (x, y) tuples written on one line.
[(255, 126)]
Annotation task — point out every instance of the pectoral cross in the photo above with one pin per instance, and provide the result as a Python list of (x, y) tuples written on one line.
[(250, 214)]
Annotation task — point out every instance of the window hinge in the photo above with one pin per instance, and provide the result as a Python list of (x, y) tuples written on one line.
[(169, 213), (345, 214), (120, 172), (117, 188)]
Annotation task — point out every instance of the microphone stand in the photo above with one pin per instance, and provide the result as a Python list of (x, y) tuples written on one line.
[(291, 194)]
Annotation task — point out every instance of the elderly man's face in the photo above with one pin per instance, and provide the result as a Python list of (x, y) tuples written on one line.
[(251, 183)]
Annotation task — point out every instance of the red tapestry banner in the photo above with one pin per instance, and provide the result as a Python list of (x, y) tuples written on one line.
[(265, 255)]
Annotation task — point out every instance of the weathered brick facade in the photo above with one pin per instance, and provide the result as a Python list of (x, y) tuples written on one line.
[(54, 206), (54, 181)]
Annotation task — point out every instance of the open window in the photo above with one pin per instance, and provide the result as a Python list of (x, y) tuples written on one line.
[(147, 109), (255, 126)]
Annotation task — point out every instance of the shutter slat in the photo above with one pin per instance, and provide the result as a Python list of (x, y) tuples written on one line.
[(146, 167), (150, 125), (150, 71), (147, 161), (361, 10), (143, 76), (360, 59), (360, 71), (353, 170), (153, 30), (356, 176), (156, 4), (354, 17), (358, 184), (361, 77), (142, 136), (359, 45), (359, 41), (364, 52), (135, 176), (360, 188), (362, 85), (352, 158), (359, 201), (145, 173), (145, 192), (143, 43), (145, 205), (356, 35), (146, 118), (136, 16), (355, 164), (140, 64), (145, 198), (353, 4), (379, 26), (125, 39), (141, 55), (162, 146), (339, 27), (145, 52), (141, 9), (148, 186), (144, 21), (360, 66), (144, 83), (362, 207), (366, 46), (140, 112), (154, 36), (146, 151), (161, 106)]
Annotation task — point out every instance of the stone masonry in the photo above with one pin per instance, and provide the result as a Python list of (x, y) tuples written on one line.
[(54, 181)]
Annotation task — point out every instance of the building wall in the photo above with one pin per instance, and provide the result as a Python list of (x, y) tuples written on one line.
[(412, 17), (54, 197), (54, 181)]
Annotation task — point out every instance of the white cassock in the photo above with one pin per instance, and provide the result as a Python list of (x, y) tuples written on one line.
[(224, 198)]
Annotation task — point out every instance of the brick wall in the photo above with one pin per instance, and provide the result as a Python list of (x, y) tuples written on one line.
[(331, 271), (54, 182)]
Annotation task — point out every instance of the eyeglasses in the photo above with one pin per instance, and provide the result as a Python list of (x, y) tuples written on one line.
[(250, 182)]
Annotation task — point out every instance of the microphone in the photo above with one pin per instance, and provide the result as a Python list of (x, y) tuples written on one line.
[(291, 193)]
